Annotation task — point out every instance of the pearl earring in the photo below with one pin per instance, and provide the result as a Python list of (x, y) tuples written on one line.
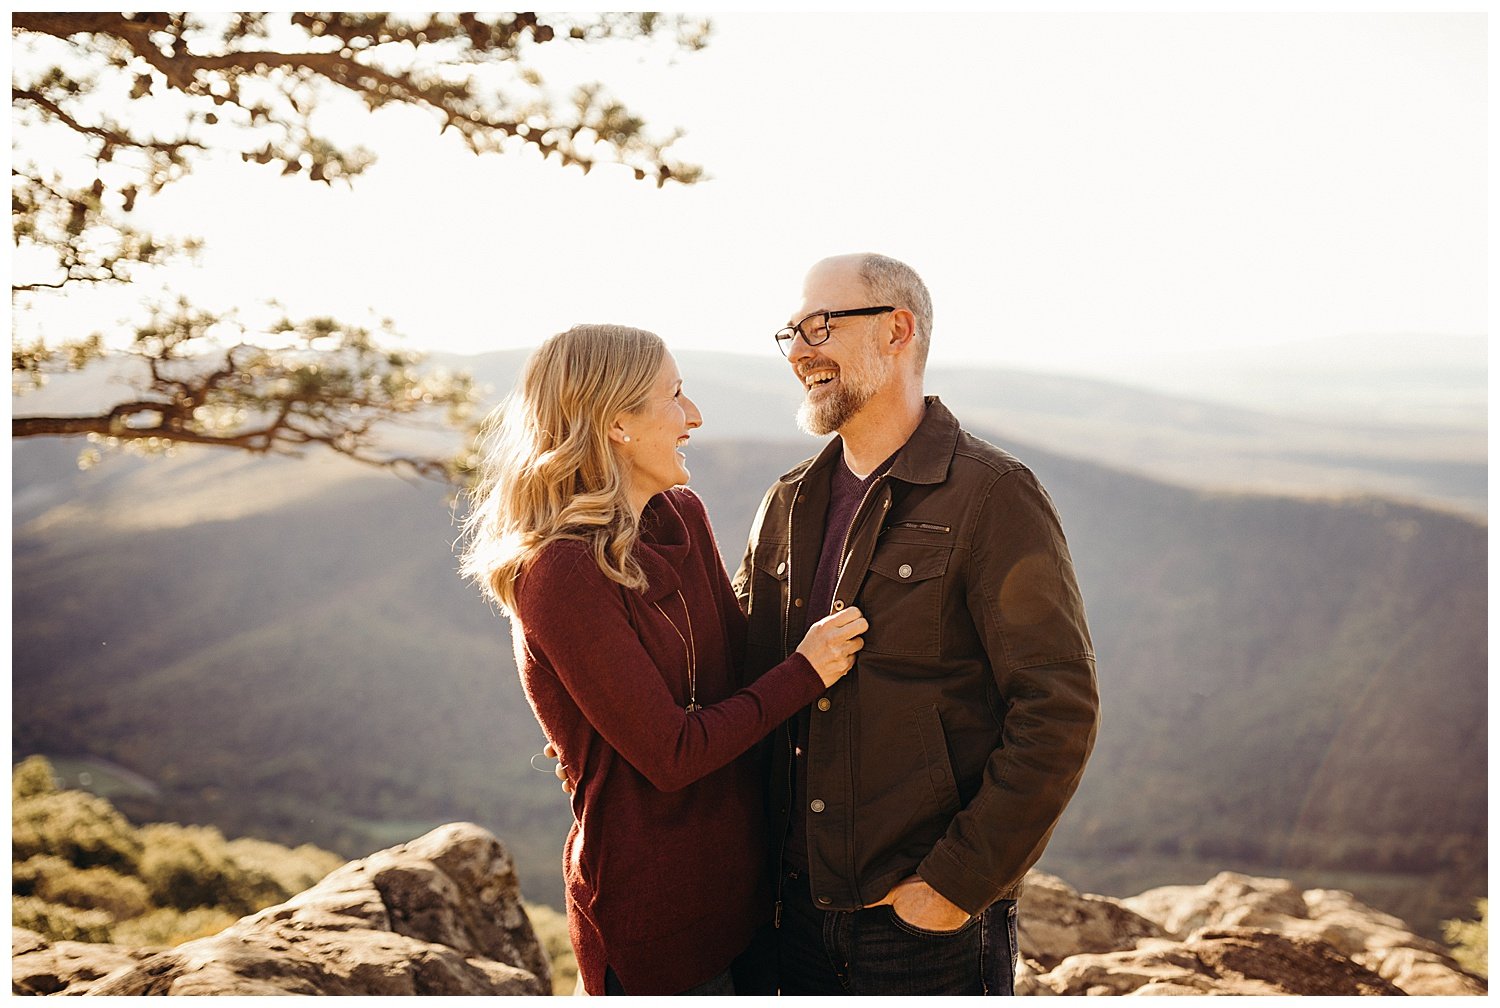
[(627, 437)]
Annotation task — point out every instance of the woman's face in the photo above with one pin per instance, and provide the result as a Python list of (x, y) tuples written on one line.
[(656, 431)]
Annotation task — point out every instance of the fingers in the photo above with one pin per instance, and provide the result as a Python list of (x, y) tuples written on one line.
[(844, 616), (549, 750)]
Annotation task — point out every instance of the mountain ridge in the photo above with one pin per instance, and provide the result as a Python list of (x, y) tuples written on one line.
[(313, 669)]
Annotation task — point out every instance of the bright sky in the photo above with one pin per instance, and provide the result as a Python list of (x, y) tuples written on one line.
[(1077, 190)]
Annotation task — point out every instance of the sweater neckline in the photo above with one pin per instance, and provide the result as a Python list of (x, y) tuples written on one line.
[(663, 546)]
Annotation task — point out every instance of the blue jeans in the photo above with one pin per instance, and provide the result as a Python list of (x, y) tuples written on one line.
[(720, 986), (872, 951)]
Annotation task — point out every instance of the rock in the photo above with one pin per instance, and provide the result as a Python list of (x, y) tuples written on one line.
[(1055, 921), (1028, 979), (1243, 961), (438, 916), (1227, 900), (38, 966), (1367, 936)]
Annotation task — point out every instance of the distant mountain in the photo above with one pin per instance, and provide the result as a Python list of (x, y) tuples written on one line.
[(1384, 379), (282, 648), (1339, 450), (1313, 422)]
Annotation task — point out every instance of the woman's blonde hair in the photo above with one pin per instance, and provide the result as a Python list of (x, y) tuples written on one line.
[(549, 471)]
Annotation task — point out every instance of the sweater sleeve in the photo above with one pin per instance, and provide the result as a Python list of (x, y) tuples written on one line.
[(575, 624)]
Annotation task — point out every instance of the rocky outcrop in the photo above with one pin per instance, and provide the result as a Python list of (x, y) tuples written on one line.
[(42, 967), (443, 915), (439, 915), (1234, 935)]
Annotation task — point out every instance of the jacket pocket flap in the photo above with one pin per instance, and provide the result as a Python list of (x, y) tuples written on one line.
[(906, 563), (770, 560)]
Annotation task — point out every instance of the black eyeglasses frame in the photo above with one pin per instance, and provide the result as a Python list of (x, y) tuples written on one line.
[(785, 336)]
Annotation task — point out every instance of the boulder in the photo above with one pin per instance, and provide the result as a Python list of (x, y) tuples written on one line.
[(1362, 934), (1056, 921), (441, 915), (1241, 962), (38, 966)]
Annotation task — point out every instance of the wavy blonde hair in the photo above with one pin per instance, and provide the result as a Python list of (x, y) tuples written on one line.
[(549, 471)]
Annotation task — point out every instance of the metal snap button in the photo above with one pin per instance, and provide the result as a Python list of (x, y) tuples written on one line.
[(824, 703), (781, 567), (817, 805), (904, 570), (798, 603), (838, 604)]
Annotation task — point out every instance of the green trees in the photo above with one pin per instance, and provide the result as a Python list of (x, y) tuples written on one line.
[(110, 108), (80, 872)]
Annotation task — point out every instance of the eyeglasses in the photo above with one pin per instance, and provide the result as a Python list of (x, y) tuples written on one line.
[(819, 332)]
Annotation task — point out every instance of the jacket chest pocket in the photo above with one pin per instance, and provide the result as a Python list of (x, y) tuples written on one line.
[(903, 598), (768, 583)]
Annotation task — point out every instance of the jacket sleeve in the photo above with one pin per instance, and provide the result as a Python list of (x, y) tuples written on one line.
[(1024, 598), (574, 624), (747, 571)]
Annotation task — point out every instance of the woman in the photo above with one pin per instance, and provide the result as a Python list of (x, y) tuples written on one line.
[(629, 638)]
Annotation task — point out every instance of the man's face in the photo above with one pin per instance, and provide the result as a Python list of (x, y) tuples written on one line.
[(841, 375)]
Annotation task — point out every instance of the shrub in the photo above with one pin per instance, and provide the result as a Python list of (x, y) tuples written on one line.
[(80, 828), (31, 777), (189, 866), (551, 930), (52, 879), (283, 872), (167, 927), (1471, 940), (59, 923)]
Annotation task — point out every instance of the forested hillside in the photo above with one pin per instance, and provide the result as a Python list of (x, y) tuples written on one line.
[(282, 649)]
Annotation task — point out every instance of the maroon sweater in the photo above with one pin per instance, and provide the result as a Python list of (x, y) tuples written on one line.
[(665, 866)]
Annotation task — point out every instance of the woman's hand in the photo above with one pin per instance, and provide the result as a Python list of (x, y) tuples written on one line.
[(832, 642), (550, 751)]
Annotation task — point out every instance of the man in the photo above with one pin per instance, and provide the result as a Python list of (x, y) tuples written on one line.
[(913, 796)]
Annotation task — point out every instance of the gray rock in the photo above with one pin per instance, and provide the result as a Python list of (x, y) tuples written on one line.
[(1373, 939), (1242, 961), (440, 915), (38, 966), (1055, 921)]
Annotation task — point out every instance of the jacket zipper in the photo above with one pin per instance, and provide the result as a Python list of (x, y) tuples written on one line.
[(791, 746), (849, 536)]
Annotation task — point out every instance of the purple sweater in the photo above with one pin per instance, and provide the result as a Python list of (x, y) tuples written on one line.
[(665, 866)]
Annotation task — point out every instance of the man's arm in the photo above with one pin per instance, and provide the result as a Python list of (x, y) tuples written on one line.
[(1024, 598)]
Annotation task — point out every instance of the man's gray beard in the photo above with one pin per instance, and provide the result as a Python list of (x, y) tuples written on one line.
[(831, 412)]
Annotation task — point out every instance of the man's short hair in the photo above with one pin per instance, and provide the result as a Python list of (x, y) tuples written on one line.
[(892, 282)]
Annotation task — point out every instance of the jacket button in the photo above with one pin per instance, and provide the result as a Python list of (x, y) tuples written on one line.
[(904, 570), (798, 603), (817, 805), (824, 900), (838, 605), (824, 703), (781, 567)]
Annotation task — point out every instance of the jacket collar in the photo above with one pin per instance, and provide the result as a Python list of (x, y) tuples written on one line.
[(923, 459)]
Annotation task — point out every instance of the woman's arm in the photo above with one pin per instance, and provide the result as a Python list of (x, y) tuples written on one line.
[(574, 623)]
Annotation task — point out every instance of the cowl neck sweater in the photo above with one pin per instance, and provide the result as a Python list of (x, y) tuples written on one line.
[(665, 866)]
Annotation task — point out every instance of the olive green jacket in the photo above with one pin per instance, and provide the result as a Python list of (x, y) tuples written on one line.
[(952, 747)]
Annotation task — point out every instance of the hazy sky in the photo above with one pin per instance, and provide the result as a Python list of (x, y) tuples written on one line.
[(1077, 189)]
